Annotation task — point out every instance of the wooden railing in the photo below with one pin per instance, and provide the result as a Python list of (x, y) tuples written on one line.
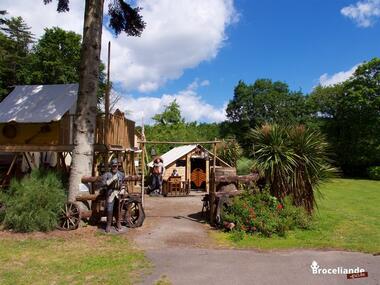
[(120, 131)]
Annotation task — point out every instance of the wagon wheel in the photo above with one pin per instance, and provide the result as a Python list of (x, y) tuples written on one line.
[(134, 214), (69, 217)]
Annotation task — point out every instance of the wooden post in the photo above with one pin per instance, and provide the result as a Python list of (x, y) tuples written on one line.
[(188, 169), (213, 187), (207, 176), (9, 170), (142, 174)]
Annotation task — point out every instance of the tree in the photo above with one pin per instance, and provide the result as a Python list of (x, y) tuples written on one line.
[(56, 57), (263, 102), (170, 116), (15, 41), (349, 115), (122, 18)]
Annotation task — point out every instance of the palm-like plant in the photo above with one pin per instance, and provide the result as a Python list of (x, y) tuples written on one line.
[(294, 161), (312, 165), (274, 157), (230, 151)]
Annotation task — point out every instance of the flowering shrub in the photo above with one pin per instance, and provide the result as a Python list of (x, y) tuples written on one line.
[(259, 212)]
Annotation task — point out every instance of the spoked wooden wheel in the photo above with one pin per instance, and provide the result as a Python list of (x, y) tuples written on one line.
[(134, 214), (69, 218)]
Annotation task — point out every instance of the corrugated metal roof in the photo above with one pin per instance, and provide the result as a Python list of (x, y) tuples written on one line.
[(38, 103), (175, 153)]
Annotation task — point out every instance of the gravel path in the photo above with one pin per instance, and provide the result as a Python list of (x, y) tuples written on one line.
[(179, 246)]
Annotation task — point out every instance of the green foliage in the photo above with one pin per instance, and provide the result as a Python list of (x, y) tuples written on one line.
[(349, 115), (15, 40), (230, 151), (293, 160), (347, 219), (374, 172), (261, 102), (259, 212), (170, 116), (33, 203), (170, 126), (56, 57), (244, 166)]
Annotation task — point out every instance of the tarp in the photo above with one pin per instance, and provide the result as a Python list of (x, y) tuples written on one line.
[(38, 103), (174, 154)]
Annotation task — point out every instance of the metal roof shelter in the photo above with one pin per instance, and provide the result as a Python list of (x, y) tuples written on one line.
[(40, 118), (38, 103)]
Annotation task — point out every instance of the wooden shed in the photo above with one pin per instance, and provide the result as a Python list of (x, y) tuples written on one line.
[(39, 119), (193, 163)]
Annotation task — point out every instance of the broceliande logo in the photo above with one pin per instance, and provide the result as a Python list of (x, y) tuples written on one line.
[(316, 269)]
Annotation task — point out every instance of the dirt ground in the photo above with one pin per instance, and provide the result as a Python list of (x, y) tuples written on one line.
[(173, 222)]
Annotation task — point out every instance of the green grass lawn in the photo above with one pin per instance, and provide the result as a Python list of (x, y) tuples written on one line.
[(348, 217), (89, 258)]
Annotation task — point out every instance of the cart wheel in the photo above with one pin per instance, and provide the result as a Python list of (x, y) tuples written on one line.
[(134, 214), (69, 217)]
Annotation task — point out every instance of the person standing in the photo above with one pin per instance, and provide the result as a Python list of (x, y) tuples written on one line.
[(157, 174), (114, 182)]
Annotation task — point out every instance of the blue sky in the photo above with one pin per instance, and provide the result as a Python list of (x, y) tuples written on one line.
[(292, 41), (195, 51)]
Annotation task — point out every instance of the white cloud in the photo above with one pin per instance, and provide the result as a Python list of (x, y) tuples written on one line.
[(180, 34), (193, 107), (364, 13), (329, 80)]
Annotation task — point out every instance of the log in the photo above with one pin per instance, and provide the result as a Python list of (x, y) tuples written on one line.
[(87, 197)]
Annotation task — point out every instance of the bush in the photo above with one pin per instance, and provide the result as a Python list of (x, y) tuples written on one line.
[(374, 172), (33, 203), (259, 212), (244, 166)]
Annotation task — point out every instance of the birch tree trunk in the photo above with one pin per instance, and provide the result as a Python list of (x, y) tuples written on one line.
[(85, 119)]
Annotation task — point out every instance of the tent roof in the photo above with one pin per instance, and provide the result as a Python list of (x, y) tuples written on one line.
[(38, 103), (178, 152), (175, 153)]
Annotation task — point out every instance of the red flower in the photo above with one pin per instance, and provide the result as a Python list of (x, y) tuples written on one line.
[(279, 207)]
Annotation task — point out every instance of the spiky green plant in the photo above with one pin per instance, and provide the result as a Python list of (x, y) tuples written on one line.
[(274, 157), (294, 161), (230, 151), (312, 165)]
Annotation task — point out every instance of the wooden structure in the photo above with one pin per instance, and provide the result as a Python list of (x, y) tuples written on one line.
[(194, 163), (174, 186), (49, 128)]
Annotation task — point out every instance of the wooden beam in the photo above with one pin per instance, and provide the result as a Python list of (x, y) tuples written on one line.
[(213, 188), (169, 142), (35, 148), (142, 174)]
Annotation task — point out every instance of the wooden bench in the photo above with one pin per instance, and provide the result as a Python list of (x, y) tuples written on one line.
[(175, 187)]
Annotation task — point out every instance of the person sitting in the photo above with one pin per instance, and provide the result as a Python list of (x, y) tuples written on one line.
[(113, 181), (175, 172)]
